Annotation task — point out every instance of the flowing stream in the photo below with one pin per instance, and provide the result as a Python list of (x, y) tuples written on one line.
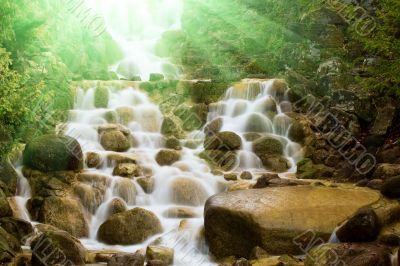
[(237, 109)]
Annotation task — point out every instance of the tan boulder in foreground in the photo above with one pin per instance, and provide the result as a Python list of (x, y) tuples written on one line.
[(274, 218)]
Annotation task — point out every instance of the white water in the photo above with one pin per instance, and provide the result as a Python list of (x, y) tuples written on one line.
[(137, 26), (236, 109)]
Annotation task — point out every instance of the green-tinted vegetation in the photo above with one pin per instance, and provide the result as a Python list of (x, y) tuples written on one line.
[(43, 46)]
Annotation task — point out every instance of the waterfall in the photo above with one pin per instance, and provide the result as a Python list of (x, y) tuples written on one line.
[(136, 26), (246, 107)]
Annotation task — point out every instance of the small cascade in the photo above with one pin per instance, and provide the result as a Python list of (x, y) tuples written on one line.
[(130, 176), (23, 195)]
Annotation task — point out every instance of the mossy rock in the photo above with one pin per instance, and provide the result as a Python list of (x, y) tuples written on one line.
[(53, 153), (101, 97), (129, 228), (5, 209), (172, 126), (224, 141), (9, 246)]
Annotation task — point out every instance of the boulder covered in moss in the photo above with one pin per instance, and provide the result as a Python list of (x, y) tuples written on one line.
[(53, 153)]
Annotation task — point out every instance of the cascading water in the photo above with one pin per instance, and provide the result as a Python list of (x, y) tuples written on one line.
[(137, 26), (142, 119)]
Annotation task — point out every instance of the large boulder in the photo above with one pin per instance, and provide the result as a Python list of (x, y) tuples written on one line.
[(9, 246), (53, 153), (5, 208), (354, 254), (391, 187), (167, 157), (64, 213), (363, 226), (172, 126), (187, 191), (8, 176), (129, 228), (57, 248), (115, 140), (273, 218), (223, 141), (270, 151), (386, 170), (17, 227)]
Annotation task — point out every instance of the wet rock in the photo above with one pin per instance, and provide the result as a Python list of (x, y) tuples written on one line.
[(226, 160), (93, 160), (147, 184), (384, 119), (101, 97), (126, 259), (111, 117), (115, 140), (180, 212), (116, 206), (267, 146), (391, 187), (277, 164), (258, 123), (167, 157), (9, 246), (236, 222), (63, 213), (264, 180), (125, 189), (57, 248), (53, 153), (17, 227), (120, 158), (306, 169), (173, 143), (223, 141), (156, 263), (269, 106), (278, 89), (252, 136), (230, 177), (385, 170), (125, 115), (375, 184), (355, 254), (187, 192), (163, 254), (363, 226), (213, 127), (172, 126), (8, 176), (5, 209), (89, 196), (128, 170), (129, 228), (246, 175)]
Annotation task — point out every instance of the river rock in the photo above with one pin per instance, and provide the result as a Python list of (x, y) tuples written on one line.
[(173, 143), (391, 187), (129, 228), (63, 213), (125, 115), (17, 227), (125, 189), (386, 170), (354, 254), (116, 205), (115, 140), (167, 157), (363, 226), (230, 177), (226, 160), (223, 141), (9, 246), (147, 184), (266, 146), (214, 126), (258, 123), (272, 218), (126, 170), (5, 208), (164, 254), (306, 169), (53, 153), (101, 96), (187, 192), (93, 160), (180, 212), (172, 126), (57, 248), (126, 259), (8, 176)]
